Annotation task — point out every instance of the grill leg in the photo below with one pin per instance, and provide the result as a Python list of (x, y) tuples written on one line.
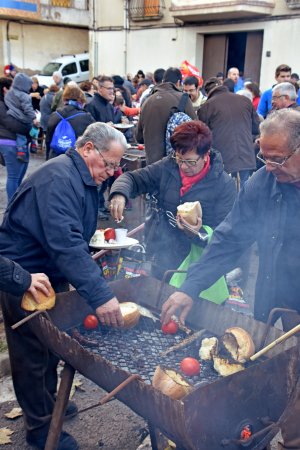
[(60, 407), (153, 438)]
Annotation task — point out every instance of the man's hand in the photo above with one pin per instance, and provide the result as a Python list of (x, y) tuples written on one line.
[(39, 282), (117, 206), (109, 314), (192, 229), (175, 301)]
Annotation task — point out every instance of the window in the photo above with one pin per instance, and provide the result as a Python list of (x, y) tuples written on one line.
[(84, 65), (69, 69), (62, 3), (146, 9)]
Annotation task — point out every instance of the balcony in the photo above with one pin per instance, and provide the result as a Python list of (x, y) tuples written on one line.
[(146, 9), (211, 10)]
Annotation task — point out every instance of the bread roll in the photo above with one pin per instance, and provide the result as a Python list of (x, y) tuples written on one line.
[(171, 383), (209, 347), (130, 313), (190, 211), (238, 343), (28, 303), (225, 367)]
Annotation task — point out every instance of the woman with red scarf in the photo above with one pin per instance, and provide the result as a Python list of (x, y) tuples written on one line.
[(193, 172)]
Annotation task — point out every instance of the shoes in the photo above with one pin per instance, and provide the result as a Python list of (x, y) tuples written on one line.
[(21, 156), (71, 410), (66, 442), (33, 148)]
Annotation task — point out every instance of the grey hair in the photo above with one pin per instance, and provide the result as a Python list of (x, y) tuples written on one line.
[(101, 135), (285, 122), (285, 88), (245, 93), (57, 74)]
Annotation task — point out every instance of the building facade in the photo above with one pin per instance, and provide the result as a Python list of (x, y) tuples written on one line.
[(253, 35), (35, 32)]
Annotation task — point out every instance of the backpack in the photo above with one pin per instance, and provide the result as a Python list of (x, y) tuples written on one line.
[(177, 116), (64, 135)]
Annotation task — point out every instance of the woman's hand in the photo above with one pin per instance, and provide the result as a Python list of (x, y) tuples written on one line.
[(117, 206), (191, 230), (39, 282)]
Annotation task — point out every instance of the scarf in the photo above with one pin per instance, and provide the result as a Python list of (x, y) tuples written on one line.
[(77, 105), (188, 182)]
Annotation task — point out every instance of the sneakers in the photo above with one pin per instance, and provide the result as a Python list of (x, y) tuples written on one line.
[(66, 442), (21, 156), (33, 147)]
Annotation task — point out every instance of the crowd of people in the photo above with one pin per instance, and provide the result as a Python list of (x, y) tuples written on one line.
[(232, 149)]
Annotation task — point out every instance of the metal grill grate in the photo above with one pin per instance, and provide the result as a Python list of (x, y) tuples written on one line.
[(138, 350)]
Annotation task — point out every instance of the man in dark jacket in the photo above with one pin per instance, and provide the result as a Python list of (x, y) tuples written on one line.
[(48, 226), (101, 106), (267, 211), (155, 114), (215, 192), (233, 122)]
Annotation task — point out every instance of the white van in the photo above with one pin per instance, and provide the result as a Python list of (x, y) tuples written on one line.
[(72, 67)]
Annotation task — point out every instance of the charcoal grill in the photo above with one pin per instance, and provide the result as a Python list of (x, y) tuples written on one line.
[(214, 414)]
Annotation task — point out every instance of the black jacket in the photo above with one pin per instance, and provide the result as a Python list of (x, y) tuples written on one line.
[(79, 123), (233, 122), (216, 193), (9, 126), (101, 109), (13, 278), (266, 212), (49, 222)]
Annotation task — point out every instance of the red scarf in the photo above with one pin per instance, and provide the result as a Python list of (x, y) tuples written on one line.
[(188, 182)]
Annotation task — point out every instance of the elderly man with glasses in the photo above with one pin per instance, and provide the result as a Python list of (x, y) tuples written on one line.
[(284, 95), (267, 211), (193, 172), (47, 227)]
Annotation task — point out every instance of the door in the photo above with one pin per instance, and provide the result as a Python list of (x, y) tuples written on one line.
[(214, 54), (253, 56)]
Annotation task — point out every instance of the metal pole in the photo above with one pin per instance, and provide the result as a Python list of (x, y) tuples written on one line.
[(60, 407)]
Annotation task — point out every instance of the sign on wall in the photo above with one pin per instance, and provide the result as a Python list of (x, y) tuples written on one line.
[(25, 8)]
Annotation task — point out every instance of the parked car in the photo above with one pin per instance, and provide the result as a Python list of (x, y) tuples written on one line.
[(72, 67)]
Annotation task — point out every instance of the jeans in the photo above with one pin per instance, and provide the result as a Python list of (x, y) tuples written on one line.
[(15, 169)]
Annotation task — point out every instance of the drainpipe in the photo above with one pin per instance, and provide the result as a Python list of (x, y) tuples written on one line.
[(126, 29), (8, 49)]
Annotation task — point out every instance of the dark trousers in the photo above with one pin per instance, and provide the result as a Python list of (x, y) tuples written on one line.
[(33, 369)]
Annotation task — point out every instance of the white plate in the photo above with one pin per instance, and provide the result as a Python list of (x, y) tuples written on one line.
[(127, 243), (123, 126)]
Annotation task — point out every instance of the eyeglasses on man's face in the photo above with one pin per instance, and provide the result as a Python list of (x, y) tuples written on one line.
[(111, 89), (276, 162), (187, 162), (276, 97), (108, 165)]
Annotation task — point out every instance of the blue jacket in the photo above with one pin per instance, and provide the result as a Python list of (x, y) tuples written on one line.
[(49, 223), (13, 278), (267, 212)]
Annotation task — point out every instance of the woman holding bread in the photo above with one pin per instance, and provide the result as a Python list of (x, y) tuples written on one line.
[(193, 172)]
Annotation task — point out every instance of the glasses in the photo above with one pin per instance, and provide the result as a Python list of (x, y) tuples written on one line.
[(108, 165), (275, 97), (187, 162), (277, 162), (111, 89)]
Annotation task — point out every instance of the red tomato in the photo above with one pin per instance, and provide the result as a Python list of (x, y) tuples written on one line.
[(109, 233), (90, 322), (140, 147), (190, 366), (170, 327)]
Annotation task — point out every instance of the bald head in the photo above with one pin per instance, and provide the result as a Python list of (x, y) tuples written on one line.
[(233, 74)]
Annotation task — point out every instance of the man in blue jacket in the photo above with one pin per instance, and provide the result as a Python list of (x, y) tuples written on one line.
[(267, 211), (282, 74), (47, 227)]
